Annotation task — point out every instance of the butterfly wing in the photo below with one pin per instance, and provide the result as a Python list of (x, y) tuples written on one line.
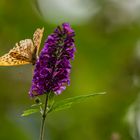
[(24, 52), (21, 54), (37, 37), (8, 60)]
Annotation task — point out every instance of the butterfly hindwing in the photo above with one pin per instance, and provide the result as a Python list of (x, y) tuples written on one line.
[(8, 60), (23, 51)]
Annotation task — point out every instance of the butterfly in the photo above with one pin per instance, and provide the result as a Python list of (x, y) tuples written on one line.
[(24, 52)]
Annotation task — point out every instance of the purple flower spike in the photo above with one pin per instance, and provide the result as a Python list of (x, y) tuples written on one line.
[(52, 69)]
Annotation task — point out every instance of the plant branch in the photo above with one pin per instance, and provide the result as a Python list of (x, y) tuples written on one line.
[(44, 117)]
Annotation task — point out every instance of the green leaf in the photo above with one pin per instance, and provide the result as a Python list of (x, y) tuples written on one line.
[(29, 112), (36, 105), (67, 103)]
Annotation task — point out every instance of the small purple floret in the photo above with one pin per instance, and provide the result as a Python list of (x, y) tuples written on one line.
[(52, 69)]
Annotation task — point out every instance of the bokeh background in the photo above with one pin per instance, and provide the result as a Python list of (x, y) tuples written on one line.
[(107, 59)]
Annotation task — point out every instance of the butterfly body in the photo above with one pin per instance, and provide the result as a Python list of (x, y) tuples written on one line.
[(24, 52)]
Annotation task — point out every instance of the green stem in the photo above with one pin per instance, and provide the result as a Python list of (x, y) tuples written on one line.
[(44, 117)]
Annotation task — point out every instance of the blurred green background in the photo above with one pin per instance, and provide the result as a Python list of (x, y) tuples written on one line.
[(107, 59)]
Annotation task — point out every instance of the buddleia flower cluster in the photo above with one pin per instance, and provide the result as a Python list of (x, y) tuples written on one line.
[(52, 69)]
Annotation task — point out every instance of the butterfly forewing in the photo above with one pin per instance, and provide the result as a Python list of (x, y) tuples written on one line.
[(37, 37)]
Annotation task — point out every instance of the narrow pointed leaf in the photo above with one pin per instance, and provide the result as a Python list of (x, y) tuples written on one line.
[(29, 112), (67, 103), (36, 105)]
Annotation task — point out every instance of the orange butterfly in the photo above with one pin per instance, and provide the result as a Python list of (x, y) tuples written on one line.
[(24, 52)]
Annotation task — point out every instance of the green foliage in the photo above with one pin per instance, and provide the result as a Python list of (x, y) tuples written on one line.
[(36, 105), (60, 105), (29, 112), (67, 103)]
